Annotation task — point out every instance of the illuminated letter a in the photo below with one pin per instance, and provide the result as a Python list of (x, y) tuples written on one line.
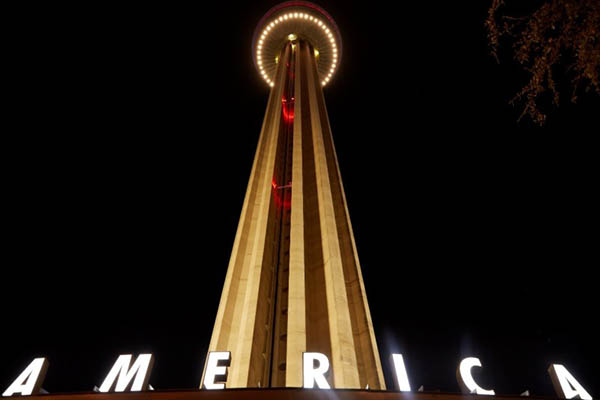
[(30, 380), (565, 385)]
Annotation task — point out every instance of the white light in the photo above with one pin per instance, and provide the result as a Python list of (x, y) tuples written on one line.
[(214, 370), (295, 15), (292, 37), (280, 19), (565, 385), (305, 16), (30, 380), (140, 370), (260, 63), (271, 84), (315, 375), (401, 383), (465, 379), (286, 16), (259, 46)]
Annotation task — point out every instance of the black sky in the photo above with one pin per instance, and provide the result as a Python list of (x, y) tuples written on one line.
[(128, 138)]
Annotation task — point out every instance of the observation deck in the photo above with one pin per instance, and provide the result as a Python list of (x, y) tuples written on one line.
[(291, 21)]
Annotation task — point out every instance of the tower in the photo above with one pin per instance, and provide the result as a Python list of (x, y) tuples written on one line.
[(294, 281)]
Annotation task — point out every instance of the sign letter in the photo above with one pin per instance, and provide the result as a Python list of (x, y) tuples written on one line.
[(30, 380), (139, 373), (401, 382), (314, 375), (465, 379), (216, 367), (565, 385)]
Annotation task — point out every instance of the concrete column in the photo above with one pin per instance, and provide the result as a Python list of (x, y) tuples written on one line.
[(344, 364), (296, 339)]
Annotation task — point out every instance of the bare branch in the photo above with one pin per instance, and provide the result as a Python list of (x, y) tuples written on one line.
[(560, 33)]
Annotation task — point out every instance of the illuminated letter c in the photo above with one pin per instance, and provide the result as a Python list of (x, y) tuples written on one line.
[(465, 379)]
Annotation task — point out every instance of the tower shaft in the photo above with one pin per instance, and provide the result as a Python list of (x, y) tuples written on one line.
[(294, 282)]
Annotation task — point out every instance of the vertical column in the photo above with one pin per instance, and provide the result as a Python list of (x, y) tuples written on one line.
[(296, 339), (367, 354), (282, 181), (227, 322), (344, 363), (318, 338), (247, 305)]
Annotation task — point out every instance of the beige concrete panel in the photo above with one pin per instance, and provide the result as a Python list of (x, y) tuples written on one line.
[(368, 343), (318, 336), (222, 327), (252, 234), (296, 335), (344, 364), (239, 375)]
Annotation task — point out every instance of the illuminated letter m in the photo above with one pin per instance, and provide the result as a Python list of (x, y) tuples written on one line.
[(124, 373)]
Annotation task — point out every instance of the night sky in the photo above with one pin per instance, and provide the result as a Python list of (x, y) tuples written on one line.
[(128, 138)]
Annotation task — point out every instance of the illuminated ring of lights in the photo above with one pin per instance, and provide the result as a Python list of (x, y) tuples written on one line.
[(297, 18)]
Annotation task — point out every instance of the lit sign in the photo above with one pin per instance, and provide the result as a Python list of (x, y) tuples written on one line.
[(565, 385), (401, 381), (314, 375), (216, 369), (465, 379), (125, 377), (30, 380), (124, 373)]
